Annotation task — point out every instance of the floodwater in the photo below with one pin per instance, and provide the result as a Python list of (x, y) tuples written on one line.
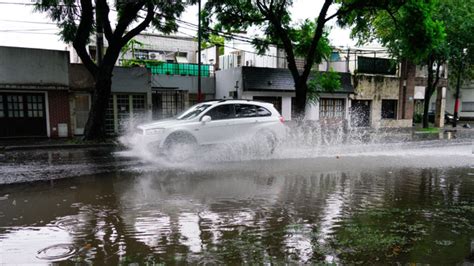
[(407, 202)]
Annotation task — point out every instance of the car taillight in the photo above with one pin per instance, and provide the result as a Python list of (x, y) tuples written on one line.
[(282, 119)]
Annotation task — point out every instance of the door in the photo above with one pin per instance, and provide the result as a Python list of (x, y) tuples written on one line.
[(220, 129), (22, 115), (167, 103), (82, 104), (360, 113)]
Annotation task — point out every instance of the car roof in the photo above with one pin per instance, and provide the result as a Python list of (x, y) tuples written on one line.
[(243, 101)]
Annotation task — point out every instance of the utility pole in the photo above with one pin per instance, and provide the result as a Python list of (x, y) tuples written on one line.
[(199, 96), (99, 37)]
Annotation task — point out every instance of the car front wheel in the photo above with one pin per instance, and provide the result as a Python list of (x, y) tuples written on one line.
[(179, 147)]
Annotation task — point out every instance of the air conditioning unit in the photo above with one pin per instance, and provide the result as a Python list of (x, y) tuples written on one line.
[(156, 56), (248, 63)]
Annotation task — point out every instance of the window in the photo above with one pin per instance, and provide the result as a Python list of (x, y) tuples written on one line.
[(220, 112), (15, 106), (261, 111), (245, 110), (35, 105), (389, 109), (141, 54), (467, 106), (371, 65), (331, 108), (138, 104), (193, 111), (276, 101), (109, 116)]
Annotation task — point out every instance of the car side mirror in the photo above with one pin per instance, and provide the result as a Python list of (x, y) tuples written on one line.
[(205, 119)]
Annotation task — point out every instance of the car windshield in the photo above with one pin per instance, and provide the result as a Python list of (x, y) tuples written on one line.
[(194, 111)]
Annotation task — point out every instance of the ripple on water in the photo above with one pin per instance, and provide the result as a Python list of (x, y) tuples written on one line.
[(57, 252)]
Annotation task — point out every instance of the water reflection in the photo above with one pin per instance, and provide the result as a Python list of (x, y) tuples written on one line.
[(396, 214)]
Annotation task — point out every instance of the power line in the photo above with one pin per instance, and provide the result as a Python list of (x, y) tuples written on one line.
[(29, 22), (25, 30)]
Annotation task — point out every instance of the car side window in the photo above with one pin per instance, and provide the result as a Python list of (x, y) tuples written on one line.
[(262, 111), (245, 110), (221, 112)]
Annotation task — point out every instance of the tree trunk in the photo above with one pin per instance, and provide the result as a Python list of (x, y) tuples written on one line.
[(95, 126), (301, 89), (426, 107)]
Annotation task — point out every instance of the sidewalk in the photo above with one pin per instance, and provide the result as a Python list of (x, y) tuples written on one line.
[(46, 143)]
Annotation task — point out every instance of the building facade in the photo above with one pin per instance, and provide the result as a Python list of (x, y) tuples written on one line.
[(130, 102), (34, 87)]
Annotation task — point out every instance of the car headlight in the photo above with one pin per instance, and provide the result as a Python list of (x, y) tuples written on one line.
[(154, 131)]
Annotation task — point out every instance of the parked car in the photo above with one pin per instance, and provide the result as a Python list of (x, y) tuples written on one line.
[(216, 122), (448, 117)]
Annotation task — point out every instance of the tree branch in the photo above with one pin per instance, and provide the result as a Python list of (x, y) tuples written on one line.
[(142, 26), (103, 10), (283, 34), (82, 36), (129, 14), (316, 38)]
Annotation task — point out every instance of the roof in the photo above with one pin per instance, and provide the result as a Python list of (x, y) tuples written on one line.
[(281, 80)]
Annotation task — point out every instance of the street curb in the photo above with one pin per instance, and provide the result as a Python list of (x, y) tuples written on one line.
[(55, 146)]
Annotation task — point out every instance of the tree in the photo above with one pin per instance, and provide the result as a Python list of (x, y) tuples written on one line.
[(429, 32), (308, 39), (79, 19)]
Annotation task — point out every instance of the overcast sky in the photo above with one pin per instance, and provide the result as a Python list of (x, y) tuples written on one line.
[(20, 26)]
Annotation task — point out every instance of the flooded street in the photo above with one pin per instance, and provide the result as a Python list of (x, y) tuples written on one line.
[(404, 202)]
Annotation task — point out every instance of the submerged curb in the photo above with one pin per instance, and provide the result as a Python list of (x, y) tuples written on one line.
[(55, 146)]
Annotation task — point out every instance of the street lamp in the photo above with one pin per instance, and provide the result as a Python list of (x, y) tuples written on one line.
[(458, 87)]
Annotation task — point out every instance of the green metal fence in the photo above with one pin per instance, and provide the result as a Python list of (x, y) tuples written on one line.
[(181, 69)]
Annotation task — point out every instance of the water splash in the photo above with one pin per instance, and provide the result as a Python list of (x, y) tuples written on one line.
[(309, 140)]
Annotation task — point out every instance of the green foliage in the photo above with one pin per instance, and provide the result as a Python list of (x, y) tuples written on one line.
[(418, 117), (65, 14), (214, 40), (408, 31), (323, 82), (130, 47), (140, 63)]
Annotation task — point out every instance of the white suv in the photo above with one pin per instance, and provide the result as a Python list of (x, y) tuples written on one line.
[(216, 122)]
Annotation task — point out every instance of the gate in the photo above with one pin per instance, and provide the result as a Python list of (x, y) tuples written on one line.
[(22, 115)]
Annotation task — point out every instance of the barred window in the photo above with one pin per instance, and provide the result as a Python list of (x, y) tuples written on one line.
[(331, 108)]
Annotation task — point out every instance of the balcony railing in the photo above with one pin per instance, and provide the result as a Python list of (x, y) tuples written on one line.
[(181, 69)]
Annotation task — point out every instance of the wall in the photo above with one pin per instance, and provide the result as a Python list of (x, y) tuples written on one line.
[(134, 79), (124, 79), (376, 89), (37, 67), (188, 83), (226, 81)]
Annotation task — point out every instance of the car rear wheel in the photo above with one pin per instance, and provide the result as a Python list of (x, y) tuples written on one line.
[(179, 147)]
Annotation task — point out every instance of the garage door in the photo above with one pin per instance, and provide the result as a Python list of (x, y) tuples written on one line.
[(22, 114)]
